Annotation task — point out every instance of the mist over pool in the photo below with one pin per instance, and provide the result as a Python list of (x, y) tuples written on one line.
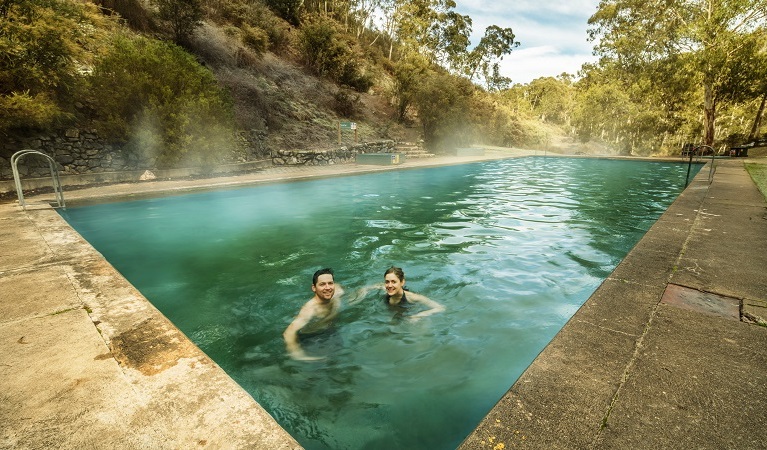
[(512, 248)]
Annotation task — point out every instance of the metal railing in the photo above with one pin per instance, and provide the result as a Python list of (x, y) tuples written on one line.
[(711, 169), (698, 151), (58, 191)]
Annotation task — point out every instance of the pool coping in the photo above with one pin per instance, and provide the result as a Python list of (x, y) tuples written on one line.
[(633, 369), (140, 381)]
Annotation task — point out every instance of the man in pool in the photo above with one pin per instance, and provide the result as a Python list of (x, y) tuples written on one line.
[(318, 313)]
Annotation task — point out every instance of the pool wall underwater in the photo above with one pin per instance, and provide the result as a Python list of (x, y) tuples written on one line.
[(158, 356)]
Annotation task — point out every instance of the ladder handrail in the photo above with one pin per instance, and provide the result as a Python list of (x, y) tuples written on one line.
[(710, 169), (698, 152), (57, 189)]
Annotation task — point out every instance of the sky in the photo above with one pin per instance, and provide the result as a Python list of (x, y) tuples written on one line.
[(552, 34)]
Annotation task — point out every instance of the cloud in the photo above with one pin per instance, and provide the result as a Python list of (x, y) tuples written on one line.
[(574, 8), (523, 66), (552, 36)]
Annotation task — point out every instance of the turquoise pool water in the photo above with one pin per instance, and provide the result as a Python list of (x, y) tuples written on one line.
[(512, 248)]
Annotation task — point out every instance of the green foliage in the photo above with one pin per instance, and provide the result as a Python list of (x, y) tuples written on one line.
[(183, 17), (346, 103), (155, 93), (444, 105), (328, 52), (132, 12), (607, 112), (287, 9), (255, 39), (22, 110), (497, 122), (551, 99), (42, 45), (255, 20), (407, 75), (708, 37)]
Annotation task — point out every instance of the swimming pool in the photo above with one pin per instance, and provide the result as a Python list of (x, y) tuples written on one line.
[(512, 248)]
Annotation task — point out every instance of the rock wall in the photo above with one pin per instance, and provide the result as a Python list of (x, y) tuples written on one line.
[(341, 155), (80, 152), (76, 151)]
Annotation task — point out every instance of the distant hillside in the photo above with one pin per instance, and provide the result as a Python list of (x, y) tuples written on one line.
[(171, 83), (295, 108)]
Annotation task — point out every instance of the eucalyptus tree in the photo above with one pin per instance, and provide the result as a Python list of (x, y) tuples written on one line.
[(633, 111), (747, 80), (362, 13), (432, 28), (484, 59), (705, 35), (603, 107), (551, 99)]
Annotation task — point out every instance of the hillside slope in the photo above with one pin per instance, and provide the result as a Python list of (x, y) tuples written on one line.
[(277, 97)]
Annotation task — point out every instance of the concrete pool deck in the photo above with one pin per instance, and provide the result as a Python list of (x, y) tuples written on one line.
[(658, 357)]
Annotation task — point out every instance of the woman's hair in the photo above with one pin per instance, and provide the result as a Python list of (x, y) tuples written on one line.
[(396, 271)]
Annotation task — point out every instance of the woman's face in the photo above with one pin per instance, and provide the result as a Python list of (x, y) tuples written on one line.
[(393, 284)]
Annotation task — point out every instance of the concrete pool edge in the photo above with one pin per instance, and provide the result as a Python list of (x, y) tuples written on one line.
[(629, 368), (87, 361), (121, 374), (82, 271)]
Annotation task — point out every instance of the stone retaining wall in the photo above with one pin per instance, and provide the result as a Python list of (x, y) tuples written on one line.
[(76, 151), (79, 151), (341, 155)]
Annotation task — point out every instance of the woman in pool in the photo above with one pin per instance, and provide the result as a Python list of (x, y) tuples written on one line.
[(398, 296)]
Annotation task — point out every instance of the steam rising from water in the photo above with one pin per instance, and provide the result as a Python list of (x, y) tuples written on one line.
[(511, 248)]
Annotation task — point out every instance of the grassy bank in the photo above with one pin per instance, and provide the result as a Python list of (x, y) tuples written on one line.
[(758, 173)]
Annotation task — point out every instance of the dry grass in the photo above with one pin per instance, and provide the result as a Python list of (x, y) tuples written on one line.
[(276, 95)]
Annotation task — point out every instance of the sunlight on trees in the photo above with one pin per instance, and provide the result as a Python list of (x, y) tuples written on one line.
[(708, 37)]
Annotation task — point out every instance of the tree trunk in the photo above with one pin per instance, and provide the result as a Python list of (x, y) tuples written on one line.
[(709, 114), (757, 120)]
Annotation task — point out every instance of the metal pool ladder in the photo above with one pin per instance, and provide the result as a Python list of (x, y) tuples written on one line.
[(58, 191), (711, 169)]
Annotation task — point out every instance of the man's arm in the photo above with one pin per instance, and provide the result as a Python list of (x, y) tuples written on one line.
[(291, 333), (360, 293)]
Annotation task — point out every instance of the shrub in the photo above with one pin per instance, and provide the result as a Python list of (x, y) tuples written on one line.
[(23, 110), (255, 39), (42, 44), (144, 87), (346, 103), (183, 17), (132, 11), (444, 104), (328, 53), (287, 9), (254, 15)]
